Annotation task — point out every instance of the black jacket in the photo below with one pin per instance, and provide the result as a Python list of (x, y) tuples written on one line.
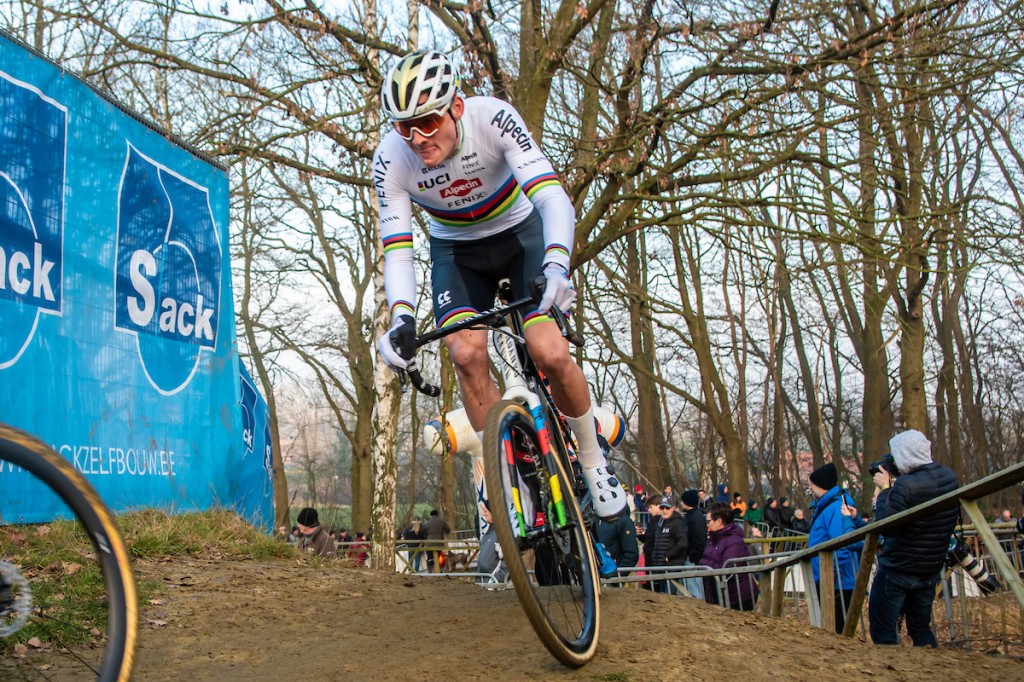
[(918, 548), (696, 534), (773, 518), (619, 538), (802, 526), (668, 541)]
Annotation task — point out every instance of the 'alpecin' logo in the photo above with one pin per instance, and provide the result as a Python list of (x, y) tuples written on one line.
[(461, 188), (168, 279)]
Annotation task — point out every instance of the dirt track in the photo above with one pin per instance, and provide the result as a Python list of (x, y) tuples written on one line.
[(294, 620)]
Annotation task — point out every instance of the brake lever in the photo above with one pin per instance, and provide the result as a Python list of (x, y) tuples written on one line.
[(574, 337)]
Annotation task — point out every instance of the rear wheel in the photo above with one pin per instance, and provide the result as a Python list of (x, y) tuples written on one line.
[(45, 596), (542, 535)]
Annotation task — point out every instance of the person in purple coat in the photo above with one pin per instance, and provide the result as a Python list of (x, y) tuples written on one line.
[(725, 542)]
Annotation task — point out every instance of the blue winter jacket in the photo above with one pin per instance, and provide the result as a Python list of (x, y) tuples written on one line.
[(828, 522)]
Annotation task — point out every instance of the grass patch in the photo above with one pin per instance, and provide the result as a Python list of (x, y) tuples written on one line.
[(65, 578), (67, 586), (153, 534)]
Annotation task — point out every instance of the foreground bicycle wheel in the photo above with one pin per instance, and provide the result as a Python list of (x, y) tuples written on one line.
[(41, 600), (538, 523)]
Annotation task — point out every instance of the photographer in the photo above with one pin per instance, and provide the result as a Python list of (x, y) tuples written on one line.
[(912, 555)]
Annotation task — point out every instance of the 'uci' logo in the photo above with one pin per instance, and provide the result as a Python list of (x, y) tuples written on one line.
[(167, 284), (33, 147)]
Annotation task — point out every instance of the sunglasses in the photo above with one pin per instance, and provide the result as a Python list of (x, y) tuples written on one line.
[(427, 126)]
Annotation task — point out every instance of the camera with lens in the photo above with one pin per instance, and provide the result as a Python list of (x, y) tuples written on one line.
[(959, 554), (886, 464)]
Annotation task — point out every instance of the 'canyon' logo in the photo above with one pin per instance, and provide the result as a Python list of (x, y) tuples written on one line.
[(461, 188)]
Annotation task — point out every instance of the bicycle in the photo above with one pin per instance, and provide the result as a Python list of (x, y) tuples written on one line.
[(112, 654), (527, 460)]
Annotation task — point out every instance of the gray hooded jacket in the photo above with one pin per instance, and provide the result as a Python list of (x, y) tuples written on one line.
[(917, 548)]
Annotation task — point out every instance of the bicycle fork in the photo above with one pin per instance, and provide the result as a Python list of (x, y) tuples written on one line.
[(504, 341)]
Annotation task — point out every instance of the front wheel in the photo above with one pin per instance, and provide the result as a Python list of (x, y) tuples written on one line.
[(542, 535)]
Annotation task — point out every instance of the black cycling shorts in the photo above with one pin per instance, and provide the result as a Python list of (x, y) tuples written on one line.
[(464, 275)]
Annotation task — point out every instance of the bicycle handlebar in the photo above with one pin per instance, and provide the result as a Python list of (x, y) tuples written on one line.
[(536, 286)]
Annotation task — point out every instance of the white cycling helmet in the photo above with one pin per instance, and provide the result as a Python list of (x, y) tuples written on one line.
[(427, 72)]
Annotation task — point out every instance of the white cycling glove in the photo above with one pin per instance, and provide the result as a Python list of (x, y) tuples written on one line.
[(558, 290), (397, 346)]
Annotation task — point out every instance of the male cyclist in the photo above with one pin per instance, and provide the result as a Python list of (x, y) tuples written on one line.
[(495, 210)]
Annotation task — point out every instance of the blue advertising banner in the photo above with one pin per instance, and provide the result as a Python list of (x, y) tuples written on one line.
[(254, 491), (117, 341)]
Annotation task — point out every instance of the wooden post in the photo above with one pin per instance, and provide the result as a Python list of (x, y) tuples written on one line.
[(856, 606), (813, 605), (827, 592), (778, 591), (995, 550)]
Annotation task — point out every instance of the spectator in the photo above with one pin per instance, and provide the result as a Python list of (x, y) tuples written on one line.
[(697, 538), (639, 496), (619, 539), (911, 557), (630, 501), (1006, 516), (800, 524), (703, 500), (414, 534), (785, 513), (725, 542), (434, 531), (832, 515), (723, 493), (666, 491), (359, 550), (755, 514), (772, 518), (646, 533), (312, 536), (640, 501), (738, 505), (343, 537), (670, 540)]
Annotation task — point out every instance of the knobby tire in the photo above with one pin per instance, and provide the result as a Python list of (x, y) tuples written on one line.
[(24, 450), (575, 643)]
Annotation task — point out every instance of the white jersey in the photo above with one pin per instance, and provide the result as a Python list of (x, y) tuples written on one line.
[(492, 182)]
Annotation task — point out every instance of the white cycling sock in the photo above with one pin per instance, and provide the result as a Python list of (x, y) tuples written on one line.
[(585, 429)]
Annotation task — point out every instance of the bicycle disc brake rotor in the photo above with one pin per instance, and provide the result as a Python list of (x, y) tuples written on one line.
[(15, 599)]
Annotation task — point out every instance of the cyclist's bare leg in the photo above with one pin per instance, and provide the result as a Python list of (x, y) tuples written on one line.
[(572, 396), (568, 385), (468, 349)]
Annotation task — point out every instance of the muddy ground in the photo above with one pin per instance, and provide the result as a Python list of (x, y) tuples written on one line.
[(299, 620)]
